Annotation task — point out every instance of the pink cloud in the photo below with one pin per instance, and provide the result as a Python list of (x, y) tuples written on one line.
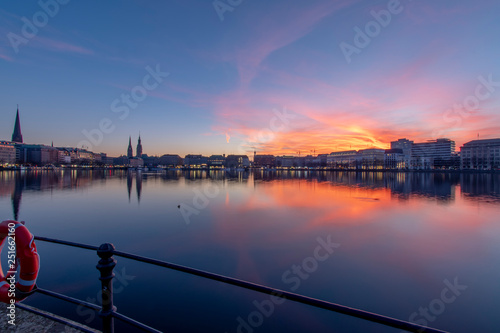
[(4, 57)]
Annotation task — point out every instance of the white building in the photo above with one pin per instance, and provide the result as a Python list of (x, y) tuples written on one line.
[(480, 154), (342, 159)]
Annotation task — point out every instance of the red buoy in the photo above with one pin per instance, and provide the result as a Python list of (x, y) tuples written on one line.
[(22, 258)]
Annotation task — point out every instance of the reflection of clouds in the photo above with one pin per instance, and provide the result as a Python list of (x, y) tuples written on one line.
[(279, 217)]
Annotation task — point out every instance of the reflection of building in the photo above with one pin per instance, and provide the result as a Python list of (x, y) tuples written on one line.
[(7, 152), (480, 185), (440, 186), (138, 185), (481, 154), (17, 194), (129, 184)]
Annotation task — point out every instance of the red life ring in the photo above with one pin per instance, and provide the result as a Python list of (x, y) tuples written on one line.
[(26, 259)]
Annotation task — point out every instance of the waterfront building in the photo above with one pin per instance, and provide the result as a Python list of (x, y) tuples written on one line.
[(107, 160), (36, 154), (285, 161), (96, 158), (237, 161), (264, 161), (81, 155), (195, 161), (216, 161), (120, 161), (7, 152), (136, 162), (321, 160), (150, 161), (16, 135), (480, 154), (432, 154), (395, 159), (312, 161), (342, 159), (372, 158), (64, 156), (171, 161), (405, 145), (299, 161)]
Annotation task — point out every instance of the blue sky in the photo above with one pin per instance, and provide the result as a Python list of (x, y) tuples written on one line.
[(230, 80)]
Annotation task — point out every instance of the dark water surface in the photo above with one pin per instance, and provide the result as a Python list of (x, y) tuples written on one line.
[(419, 246)]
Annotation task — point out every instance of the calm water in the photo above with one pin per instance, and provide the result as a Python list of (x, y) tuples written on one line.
[(400, 243)]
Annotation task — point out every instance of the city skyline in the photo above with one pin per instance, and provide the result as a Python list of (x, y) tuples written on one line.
[(17, 138), (309, 77)]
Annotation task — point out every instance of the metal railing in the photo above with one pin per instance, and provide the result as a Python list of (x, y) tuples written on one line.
[(108, 311)]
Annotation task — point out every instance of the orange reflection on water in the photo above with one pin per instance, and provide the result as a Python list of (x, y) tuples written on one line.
[(407, 233)]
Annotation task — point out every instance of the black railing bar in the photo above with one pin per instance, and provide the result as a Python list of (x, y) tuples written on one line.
[(69, 299), (135, 323), (373, 317), (55, 318), (388, 321), (57, 241)]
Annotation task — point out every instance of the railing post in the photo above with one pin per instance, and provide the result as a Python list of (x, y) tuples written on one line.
[(105, 267)]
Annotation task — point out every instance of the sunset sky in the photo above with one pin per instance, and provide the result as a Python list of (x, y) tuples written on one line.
[(275, 76)]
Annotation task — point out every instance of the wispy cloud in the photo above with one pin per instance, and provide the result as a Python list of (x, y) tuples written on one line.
[(60, 46), (5, 57)]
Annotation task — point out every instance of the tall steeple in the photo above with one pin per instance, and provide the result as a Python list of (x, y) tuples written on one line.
[(130, 152), (139, 147), (17, 136)]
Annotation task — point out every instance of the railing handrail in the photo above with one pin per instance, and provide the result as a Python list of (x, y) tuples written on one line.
[(370, 316)]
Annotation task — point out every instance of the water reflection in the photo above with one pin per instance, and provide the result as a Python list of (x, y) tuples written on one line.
[(442, 187), (402, 234)]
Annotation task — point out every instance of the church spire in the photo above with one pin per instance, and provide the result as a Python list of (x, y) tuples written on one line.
[(17, 136), (130, 152), (139, 147)]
